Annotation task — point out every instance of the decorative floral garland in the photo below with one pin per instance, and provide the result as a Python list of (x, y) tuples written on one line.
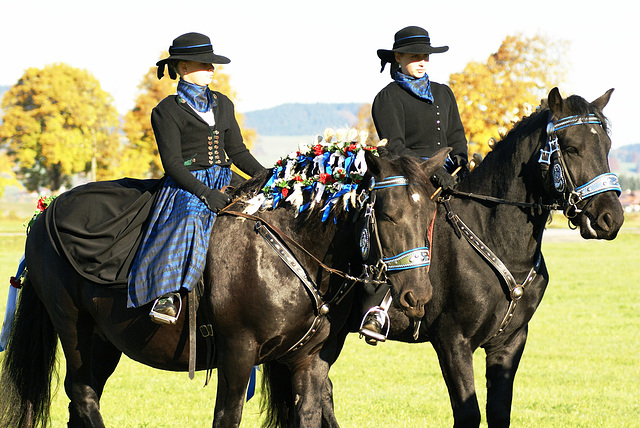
[(328, 169), (41, 205)]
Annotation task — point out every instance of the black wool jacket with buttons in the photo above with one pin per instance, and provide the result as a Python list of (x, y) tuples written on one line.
[(415, 127), (186, 142)]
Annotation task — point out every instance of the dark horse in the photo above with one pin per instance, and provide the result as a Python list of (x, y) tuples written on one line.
[(254, 308), (488, 274)]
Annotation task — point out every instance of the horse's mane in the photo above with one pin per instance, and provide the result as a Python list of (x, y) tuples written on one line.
[(574, 105)]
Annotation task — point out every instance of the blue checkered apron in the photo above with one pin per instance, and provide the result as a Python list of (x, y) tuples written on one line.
[(173, 252)]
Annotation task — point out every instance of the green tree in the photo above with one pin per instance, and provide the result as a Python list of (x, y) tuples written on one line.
[(493, 95), (141, 156), (58, 122)]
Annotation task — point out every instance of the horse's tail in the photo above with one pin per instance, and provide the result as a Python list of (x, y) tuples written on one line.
[(277, 395), (29, 364)]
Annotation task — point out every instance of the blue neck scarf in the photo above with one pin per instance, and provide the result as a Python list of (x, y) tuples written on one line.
[(419, 87), (198, 97)]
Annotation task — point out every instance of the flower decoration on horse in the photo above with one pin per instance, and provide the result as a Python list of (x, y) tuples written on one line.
[(327, 171)]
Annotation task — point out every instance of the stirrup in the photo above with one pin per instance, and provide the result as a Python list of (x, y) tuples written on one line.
[(373, 337), (161, 318)]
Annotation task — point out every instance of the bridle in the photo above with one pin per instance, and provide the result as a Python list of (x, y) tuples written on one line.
[(410, 259), (374, 275), (551, 159)]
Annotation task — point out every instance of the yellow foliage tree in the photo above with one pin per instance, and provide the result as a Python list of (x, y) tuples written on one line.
[(141, 157), (58, 122), (494, 95), (7, 176), (365, 123)]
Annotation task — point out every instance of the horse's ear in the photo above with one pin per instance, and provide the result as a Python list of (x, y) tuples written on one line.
[(602, 100), (555, 101), (436, 161), (373, 163)]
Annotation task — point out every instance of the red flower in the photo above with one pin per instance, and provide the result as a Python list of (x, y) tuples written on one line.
[(15, 282), (317, 150), (297, 178), (352, 147), (325, 178), (285, 192), (41, 204), (279, 163)]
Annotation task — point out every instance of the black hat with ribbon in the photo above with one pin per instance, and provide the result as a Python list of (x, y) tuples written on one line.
[(413, 40), (190, 47)]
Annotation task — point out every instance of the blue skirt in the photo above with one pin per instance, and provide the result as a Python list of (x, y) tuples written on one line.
[(173, 252)]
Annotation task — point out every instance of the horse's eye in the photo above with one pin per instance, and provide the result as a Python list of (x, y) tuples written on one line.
[(571, 150)]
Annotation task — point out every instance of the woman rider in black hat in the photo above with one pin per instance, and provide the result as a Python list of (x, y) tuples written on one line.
[(417, 117), (198, 138)]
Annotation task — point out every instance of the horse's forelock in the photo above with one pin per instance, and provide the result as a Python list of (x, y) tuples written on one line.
[(578, 106), (410, 168)]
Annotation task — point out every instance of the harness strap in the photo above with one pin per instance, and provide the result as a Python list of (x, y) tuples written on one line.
[(516, 291), (290, 260), (191, 303)]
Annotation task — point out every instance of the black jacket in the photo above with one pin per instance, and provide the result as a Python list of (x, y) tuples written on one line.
[(416, 127), (186, 142)]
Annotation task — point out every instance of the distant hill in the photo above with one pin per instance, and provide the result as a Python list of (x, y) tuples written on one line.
[(301, 119), (625, 159)]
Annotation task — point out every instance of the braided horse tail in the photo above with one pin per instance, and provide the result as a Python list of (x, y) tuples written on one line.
[(29, 364)]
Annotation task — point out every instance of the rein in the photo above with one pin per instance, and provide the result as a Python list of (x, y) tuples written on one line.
[(550, 158)]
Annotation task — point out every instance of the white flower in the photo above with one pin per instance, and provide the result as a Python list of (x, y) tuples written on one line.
[(352, 135), (328, 134), (254, 204), (363, 135)]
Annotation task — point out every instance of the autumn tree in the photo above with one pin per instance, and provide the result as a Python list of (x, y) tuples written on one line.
[(58, 122), (365, 123), (141, 157), (493, 95), (7, 176)]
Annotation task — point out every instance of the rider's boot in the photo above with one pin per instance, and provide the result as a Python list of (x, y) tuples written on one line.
[(165, 309), (372, 327)]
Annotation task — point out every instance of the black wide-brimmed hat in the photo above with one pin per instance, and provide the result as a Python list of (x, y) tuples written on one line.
[(191, 47), (413, 40)]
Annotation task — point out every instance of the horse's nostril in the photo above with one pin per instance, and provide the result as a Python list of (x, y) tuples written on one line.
[(410, 299), (607, 221)]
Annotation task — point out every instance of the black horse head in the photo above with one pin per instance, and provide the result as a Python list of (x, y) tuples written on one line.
[(404, 220), (580, 175)]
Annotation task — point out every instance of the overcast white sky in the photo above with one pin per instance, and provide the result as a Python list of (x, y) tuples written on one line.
[(285, 51)]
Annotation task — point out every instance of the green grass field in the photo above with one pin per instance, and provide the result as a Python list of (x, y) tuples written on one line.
[(581, 366)]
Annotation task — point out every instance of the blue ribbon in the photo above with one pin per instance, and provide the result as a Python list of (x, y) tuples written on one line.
[(251, 389)]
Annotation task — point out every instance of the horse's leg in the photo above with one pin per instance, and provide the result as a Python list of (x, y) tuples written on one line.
[(502, 363), (456, 362), (328, 413), (309, 385), (105, 359), (84, 406), (234, 371)]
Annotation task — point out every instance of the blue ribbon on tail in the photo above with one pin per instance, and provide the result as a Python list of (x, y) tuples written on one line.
[(10, 309), (251, 389)]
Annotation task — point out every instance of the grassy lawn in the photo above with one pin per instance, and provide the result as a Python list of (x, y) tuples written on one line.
[(581, 366)]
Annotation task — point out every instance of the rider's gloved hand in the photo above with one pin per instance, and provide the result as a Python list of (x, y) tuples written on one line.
[(215, 200), (441, 178)]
